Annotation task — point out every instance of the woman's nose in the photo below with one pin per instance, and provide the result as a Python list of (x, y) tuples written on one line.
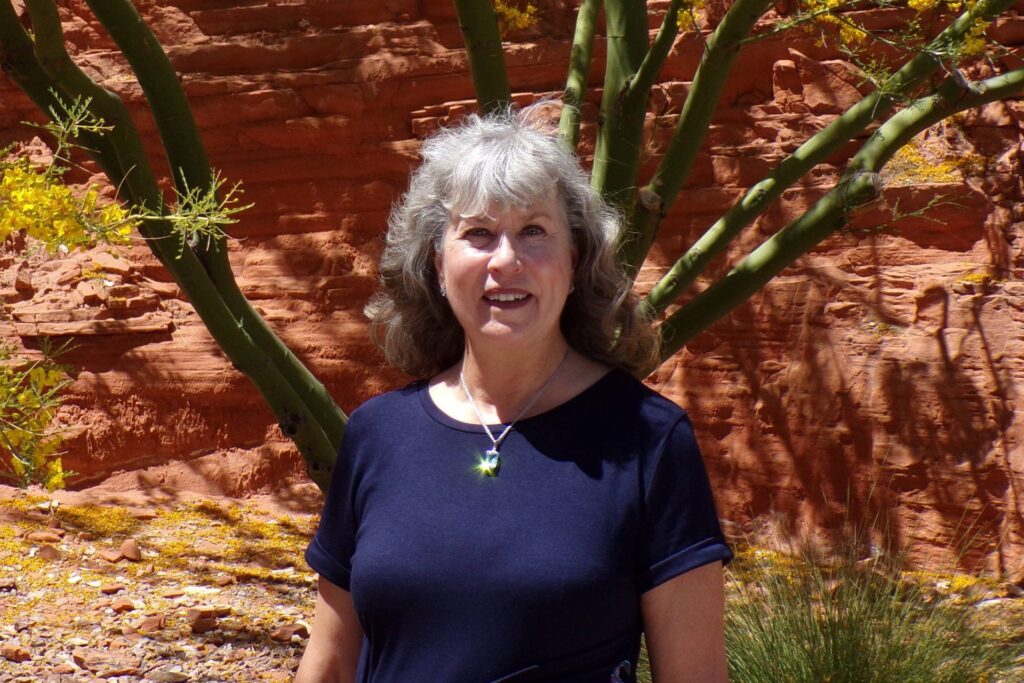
[(505, 255)]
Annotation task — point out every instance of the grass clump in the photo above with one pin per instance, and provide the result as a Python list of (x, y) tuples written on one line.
[(850, 621)]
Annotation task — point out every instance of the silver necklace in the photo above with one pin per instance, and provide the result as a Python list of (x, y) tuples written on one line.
[(490, 462)]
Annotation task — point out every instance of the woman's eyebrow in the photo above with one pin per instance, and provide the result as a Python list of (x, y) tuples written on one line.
[(481, 218), (539, 214)]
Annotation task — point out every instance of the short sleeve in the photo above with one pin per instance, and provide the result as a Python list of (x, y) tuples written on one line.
[(681, 529), (330, 551)]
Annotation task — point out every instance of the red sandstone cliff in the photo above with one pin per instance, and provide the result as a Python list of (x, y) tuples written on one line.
[(878, 379)]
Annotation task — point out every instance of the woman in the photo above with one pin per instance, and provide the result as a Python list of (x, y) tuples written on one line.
[(523, 512)]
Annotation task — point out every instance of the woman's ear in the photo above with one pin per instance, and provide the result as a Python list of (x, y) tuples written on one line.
[(438, 263)]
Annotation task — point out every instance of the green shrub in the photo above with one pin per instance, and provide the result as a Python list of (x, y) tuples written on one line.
[(809, 621)]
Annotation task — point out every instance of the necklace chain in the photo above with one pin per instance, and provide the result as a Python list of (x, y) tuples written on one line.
[(490, 463)]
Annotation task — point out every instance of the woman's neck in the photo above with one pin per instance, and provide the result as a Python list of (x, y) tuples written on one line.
[(502, 383)]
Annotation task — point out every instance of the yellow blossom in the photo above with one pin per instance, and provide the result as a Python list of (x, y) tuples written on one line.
[(687, 17), (513, 18), (975, 41), (29, 443), (35, 202), (851, 34)]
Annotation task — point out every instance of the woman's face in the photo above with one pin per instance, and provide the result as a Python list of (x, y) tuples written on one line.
[(507, 274)]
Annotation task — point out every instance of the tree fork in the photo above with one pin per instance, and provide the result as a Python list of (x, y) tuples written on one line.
[(872, 107), (654, 200), (860, 183), (18, 58)]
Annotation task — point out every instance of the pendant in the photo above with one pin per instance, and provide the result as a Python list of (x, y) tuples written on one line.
[(490, 463)]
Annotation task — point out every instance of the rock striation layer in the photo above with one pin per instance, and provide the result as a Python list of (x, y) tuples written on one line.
[(878, 380)]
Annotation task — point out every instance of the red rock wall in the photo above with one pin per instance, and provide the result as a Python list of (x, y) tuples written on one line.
[(876, 380)]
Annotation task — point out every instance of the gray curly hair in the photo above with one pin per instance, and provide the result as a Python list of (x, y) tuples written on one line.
[(503, 160)]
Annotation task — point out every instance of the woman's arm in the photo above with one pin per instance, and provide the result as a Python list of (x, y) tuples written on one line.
[(684, 624), (333, 649)]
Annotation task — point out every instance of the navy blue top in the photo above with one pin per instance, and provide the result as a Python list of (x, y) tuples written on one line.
[(533, 575)]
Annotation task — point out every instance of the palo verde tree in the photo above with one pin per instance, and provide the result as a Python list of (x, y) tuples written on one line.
[(920, 82)]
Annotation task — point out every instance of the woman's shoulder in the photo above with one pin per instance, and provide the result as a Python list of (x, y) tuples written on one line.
[(388, 406), (625, 393)]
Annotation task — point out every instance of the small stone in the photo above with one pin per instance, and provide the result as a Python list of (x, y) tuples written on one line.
[(977, 592), (990, 602), (126, 668), (284, 634), (48, 552), (165, 676), (111, 555), (130, 550), (64, 668), (172, 593), (124, 291), (91, 292), (202, 624), (8, 585), (111, 264), (221, 610), (202, 611), (123, 643), (224, 580), (151, 624), (1013, 590), (43, 537), (144, 514), (23, 279), (203, 547), (76, 642), (13, 652), (232, 625), (121, 605), (22, 624), (111, 588), (81, 656)]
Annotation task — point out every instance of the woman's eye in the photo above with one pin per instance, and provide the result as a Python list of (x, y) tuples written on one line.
[(533, 231), (477, 232)]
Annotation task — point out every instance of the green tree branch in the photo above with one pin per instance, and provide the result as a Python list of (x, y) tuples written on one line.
[(289, 407), (620, 126), (860, 183), (815, 150), (17, 55), (479, 24), (580, 57), (191, 169), (654, 200)]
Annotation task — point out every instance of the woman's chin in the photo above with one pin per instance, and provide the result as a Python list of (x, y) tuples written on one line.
[(509, 335)]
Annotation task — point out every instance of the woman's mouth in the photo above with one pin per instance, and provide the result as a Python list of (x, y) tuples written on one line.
[(506, 299)]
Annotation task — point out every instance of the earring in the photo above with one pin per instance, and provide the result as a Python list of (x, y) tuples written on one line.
[(572, 288), (444, 292)]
